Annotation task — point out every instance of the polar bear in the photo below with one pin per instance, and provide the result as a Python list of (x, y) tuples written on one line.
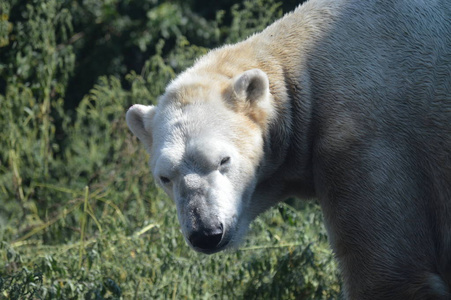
[(348, 101)]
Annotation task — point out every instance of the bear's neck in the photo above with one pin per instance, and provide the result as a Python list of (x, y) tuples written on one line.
[(283, 51)]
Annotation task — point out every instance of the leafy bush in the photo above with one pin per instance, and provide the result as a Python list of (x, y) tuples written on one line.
[(80, 216)]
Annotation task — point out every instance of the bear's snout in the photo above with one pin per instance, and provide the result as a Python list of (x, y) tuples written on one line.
[(207, 239)]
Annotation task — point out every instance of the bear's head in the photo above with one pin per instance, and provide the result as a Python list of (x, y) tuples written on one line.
[(206, 143)]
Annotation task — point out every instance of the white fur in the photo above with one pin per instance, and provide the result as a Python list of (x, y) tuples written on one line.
[(187, 149), (344, 100)]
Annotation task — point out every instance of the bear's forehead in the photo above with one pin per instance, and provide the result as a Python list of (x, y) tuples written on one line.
[(180, 124), (192, 88), (200, 132), (196, 152), (194, 134)]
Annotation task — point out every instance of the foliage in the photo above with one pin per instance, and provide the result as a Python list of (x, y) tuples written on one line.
[(80, 217)]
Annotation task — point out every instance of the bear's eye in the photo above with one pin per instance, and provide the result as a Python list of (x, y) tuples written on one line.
[(164, 180), (225, 160)]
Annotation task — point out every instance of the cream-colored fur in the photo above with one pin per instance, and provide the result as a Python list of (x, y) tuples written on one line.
[(348, 101)]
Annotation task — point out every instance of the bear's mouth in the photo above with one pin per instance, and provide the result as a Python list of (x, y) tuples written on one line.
[(222, 246)]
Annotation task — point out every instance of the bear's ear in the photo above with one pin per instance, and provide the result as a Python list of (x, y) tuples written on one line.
[(252, 85), (139, 117)]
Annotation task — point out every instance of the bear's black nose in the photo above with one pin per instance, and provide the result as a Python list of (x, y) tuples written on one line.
[(206, 239)]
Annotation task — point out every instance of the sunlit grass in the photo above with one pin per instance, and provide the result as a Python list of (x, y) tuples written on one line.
[(285, 255)]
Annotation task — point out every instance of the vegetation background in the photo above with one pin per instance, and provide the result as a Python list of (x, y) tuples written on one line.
[(80, 217)]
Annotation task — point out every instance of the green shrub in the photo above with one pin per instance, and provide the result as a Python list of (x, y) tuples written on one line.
[(80, 216)]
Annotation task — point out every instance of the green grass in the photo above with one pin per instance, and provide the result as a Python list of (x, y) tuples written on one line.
[(285, 256)]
